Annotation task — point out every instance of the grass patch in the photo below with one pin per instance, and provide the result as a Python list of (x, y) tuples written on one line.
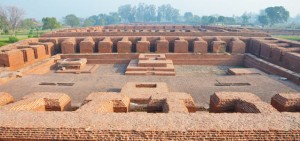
[(4, 39), (21, 35), (293, 38)]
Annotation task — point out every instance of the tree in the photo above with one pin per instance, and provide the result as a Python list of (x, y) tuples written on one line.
[(72, 20), (150, 13), (166, 13), (28, 23), (140, 12), (113, 18), (277, 14), (89, 22), (229, 20), (264, 20), (127, 13), (196, 20), (50, 23), (188, 17), (14, 15), (212, 19), (221, 19), (245, 18)]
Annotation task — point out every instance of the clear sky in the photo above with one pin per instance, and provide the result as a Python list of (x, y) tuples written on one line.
[(84, 8)]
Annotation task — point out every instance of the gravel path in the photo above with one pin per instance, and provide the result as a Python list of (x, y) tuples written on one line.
[(199, 81)]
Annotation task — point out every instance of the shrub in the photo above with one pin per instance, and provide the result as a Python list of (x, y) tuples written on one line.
[(30, 36), (6, 31), (35, 36), (12, 39), (2, 44)]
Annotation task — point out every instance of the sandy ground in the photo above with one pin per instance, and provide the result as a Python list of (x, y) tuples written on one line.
[(199, 81)]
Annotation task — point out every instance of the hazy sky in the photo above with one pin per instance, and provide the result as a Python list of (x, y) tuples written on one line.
[(84, 8)]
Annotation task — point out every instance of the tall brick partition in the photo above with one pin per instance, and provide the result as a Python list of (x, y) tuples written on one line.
[(181, 46), (5, 98), (162, 45), (28, 54), (124, 46), (255, 47), (105, 46), (237, 46), (52, 40), (286, 102), (49, 46), (12, 58), (238, 102), (267, 50), (39, 51), (291, 61), (200, 45), (218, 46), (279, 53), (87, 45), (143, 46), (68, 46)]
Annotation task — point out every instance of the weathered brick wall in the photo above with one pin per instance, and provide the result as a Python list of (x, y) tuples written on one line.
[(252, 61), (106, 116), (155, 30), (70, 126), (12, 58), (176, 44)]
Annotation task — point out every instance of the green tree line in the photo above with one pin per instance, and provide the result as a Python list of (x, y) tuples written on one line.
[(11, 18)]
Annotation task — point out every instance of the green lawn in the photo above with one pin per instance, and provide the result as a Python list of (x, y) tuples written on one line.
[(293, 38), (21, 35), (4, 39)]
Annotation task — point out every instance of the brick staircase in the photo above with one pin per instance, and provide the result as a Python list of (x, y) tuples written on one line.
[(151, 64)]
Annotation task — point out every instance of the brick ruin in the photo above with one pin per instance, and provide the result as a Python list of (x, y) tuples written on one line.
[(151, 64), (149, 110)]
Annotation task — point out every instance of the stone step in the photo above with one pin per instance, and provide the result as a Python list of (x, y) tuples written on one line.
[(154, 63), (161, 73), (150, 69)]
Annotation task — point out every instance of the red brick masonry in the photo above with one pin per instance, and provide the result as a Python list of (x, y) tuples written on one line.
[(107, 116)]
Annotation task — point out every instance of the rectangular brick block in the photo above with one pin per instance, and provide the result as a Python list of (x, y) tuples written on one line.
[(181, 46), (255, 47), (218, 46), (49, 47), (39, 51), (266, 50), (279, 52), (286, 102), (12, 58), (105, 46), (68, 46), (124, 46), (162, 45), (143, 46), (28, 54), (200, 46), (87, 45), (237, 46), (291, 61)]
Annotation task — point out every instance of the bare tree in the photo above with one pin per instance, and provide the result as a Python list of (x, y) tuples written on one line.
[(14, 16), (3, 19), (2, 12)]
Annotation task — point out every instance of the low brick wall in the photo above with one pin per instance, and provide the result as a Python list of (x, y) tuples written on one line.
[(254, 62), (143, 126), (178, 58)]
